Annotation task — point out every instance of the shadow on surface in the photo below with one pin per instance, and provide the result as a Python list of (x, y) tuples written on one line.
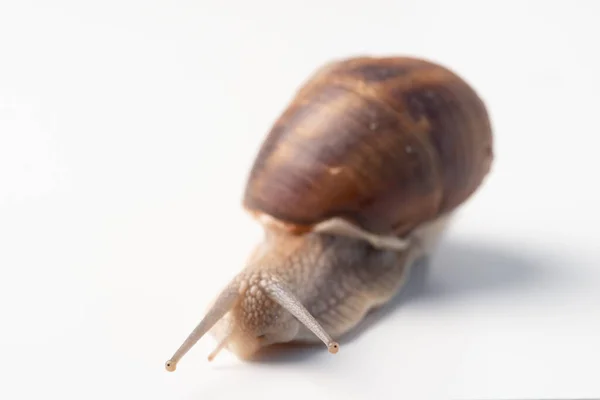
[(455, 270)]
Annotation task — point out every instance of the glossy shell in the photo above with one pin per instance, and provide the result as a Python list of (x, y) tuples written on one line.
[(385, 143)]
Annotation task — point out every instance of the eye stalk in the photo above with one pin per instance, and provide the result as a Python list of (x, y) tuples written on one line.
[(284, 297), (226, 301), (229, 298)]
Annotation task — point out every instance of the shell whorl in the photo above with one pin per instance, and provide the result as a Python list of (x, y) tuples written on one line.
[(385, 143)]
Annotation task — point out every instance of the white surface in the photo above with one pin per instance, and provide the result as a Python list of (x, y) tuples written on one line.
[(126, 132)]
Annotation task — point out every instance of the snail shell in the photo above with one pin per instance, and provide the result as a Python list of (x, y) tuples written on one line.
[(383, 143)]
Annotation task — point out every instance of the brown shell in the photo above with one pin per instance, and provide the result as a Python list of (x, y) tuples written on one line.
[(386, 143)]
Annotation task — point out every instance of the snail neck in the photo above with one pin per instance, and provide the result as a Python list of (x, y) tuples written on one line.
[(333, 226), (305, 262), (336, 278)]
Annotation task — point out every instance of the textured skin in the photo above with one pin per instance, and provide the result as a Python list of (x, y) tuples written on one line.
[(337, 278), (386, 143)]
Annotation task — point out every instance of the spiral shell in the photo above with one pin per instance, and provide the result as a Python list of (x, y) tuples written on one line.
[(383, 143)]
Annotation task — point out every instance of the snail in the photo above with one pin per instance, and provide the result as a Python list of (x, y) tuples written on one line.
[(357, 179)]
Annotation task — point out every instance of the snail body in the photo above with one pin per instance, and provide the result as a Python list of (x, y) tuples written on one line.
[(356, 180)]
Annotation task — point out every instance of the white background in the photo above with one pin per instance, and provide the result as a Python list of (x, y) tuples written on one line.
[(127, 129)]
